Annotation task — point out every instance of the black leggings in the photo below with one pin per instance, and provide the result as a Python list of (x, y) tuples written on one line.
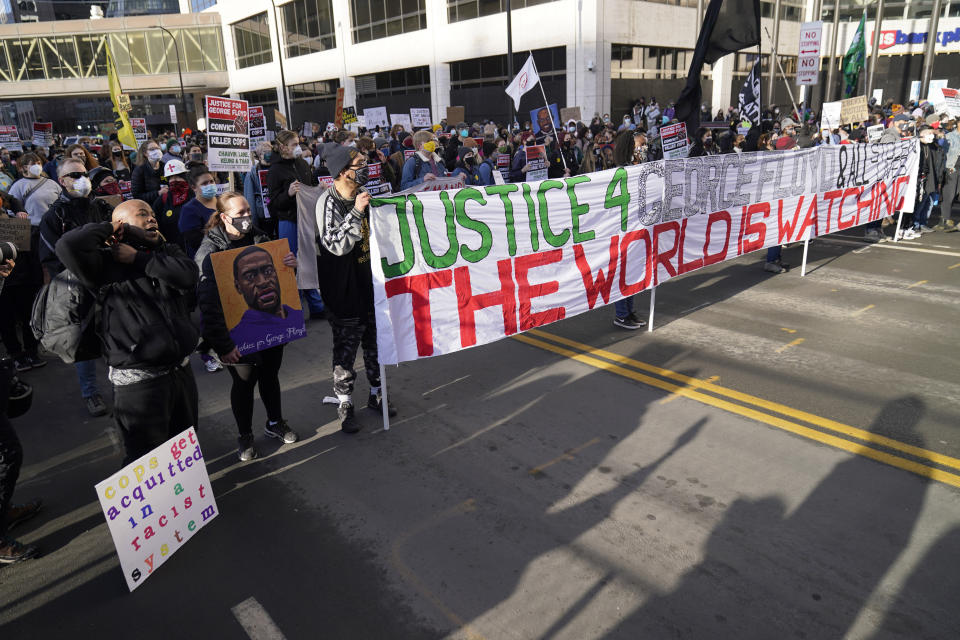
[(261, 369)]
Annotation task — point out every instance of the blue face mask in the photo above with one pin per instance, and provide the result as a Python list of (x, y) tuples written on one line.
[(464, 132), (175, 149), (208, 191), (163, 146)]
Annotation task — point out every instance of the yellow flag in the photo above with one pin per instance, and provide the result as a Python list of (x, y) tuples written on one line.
[(120, 119)]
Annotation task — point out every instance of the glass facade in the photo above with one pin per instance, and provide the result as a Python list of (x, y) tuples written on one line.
[(200, 5), (650, 63), (458, 10), (373, 19), (135, 52), (121, 8), (311, 91), (491, 71), (251, 41), (308, 26), (390, 83)]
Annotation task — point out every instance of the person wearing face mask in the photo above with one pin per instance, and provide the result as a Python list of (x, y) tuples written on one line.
[(103, 183), (36, 190), (147, 178), (196, 212), (253, 189), (168, 207), (466, 166), (144, 287), (74, 208), (930, 178), (486, 168), (112, 157), (702, 144), (950, 183), (16, 296), (286, 176), (194, 156), (345, 278), (79, 153), (425, 164), (174, 151), (232, 227)]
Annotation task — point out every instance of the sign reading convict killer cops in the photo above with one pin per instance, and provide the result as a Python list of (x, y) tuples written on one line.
[(259, 297), (455, 269), (156, 503), (228, 134)]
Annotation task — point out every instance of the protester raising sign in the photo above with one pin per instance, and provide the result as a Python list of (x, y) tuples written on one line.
[(456, 269), (228, 134), (10, 138), (536, 162), (43, 134)]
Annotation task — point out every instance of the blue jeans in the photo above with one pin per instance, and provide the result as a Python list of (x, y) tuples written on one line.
[(309, 297), (922, 212), (773, 253), (623, 307), (87, 374)]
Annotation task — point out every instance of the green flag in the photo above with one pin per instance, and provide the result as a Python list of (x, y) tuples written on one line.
[(853, 60)]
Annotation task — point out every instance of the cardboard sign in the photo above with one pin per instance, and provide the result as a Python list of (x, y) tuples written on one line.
[(537, 159), (10, 138), (408, 153), (15, 230), (456, 115), (261, 304), (264, 191), (228, 134), (540, 120), (139, 126), (854, 110), (570, 113), (349, 115), (808, 60), (280, 119), (874, 133), (403, 119), (420, 117), (503, 161), (173, 114), (949, 103), (376, 117), (258, 126), (43, 134), (156, 503), (674, 140), (830, 115), (933, 92), (338, 110)]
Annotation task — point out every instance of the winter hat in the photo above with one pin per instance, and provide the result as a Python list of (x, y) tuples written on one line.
[(408, 142), (379, 141), (98, 175), (337, 158), (889, 135)]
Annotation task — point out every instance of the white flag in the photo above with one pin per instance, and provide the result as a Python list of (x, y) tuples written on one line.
[(525, 80)]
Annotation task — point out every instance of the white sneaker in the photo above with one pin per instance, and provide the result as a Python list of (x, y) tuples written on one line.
[(911, 234), (212, 366)]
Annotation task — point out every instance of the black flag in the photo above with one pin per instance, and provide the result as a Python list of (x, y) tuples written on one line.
[(728, 26), (749, 103)]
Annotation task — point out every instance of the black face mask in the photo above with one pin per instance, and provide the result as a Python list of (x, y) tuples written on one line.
[(361, 176), (196, 157)]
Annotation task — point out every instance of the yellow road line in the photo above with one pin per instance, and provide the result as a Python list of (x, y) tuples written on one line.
[(567, 455), (954, 266), (917, 284), (866, 308), (806, 432), (768, 405), (788, 330), (792, 343), (674, 396)]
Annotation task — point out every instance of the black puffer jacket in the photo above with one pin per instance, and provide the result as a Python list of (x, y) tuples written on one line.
[(281, 175), (64, 215), (146, 181), (145, 318)]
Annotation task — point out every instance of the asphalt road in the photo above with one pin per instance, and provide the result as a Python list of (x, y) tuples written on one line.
[(779, 458)]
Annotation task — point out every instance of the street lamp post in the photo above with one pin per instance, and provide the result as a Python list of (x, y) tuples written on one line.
[(176, 45)]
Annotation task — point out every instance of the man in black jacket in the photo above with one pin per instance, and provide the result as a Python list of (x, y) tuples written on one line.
[(73, 209), (143, 285)]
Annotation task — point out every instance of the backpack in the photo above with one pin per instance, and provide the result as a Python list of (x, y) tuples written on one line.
[(64, 319)]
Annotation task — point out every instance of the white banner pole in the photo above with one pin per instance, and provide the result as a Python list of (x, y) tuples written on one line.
[(653, 304), (806, 245), (896, 232), (383, 390)]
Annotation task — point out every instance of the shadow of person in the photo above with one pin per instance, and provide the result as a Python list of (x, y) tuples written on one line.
[(769, 572)]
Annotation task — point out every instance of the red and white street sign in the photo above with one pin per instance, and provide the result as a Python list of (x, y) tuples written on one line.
[(808, 60)]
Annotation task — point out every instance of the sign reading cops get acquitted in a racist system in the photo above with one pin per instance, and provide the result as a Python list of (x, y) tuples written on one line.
[(156, 503), (228, 134)]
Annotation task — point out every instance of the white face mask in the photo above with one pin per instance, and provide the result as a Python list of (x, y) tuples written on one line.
[(297, 151), (34, 170), (154, 155), (926, 139), (81, 187)]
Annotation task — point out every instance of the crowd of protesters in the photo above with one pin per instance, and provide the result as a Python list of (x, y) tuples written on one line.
[(139, 227)]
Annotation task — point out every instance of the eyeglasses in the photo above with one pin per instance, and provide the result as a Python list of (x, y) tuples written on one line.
[(358, 166), (75, 175)]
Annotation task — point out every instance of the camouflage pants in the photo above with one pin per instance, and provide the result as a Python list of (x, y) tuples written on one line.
[(348, 335)]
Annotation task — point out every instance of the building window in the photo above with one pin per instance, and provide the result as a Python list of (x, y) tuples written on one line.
[(251, 41), (373, 19), (491, 71), (397, 82), (629, 62), (308, 25), (458, 10), (743, 64), (313, 91), (266, 98), (200, 5)]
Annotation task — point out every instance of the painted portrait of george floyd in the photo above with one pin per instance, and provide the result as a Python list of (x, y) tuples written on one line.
[(258, 293)]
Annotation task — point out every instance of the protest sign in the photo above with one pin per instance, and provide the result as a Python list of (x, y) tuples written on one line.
[(258, 126), (349, 115), (228, 134), (15, 230), (854, 110), (914, 90), (156, 503), (326, 181), (43, 134), (540, 120), (455, 115), (878, 96), (874, 132), (338, 110), (280, 119), (459, 268), (674, 140), (376, 117), (537, 159), (570, 113), (264, 191), (408, 153), (808, 60), (830, 115), (503, 161), (403, 119), (139, 126), (173, 114), (259, 297), (10, 138), (949, 102), (440, 184), (307, 129), (420, 117), (375, 185), (933, 92)]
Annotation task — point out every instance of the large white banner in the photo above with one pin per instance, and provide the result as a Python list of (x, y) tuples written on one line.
[(455, 269)]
